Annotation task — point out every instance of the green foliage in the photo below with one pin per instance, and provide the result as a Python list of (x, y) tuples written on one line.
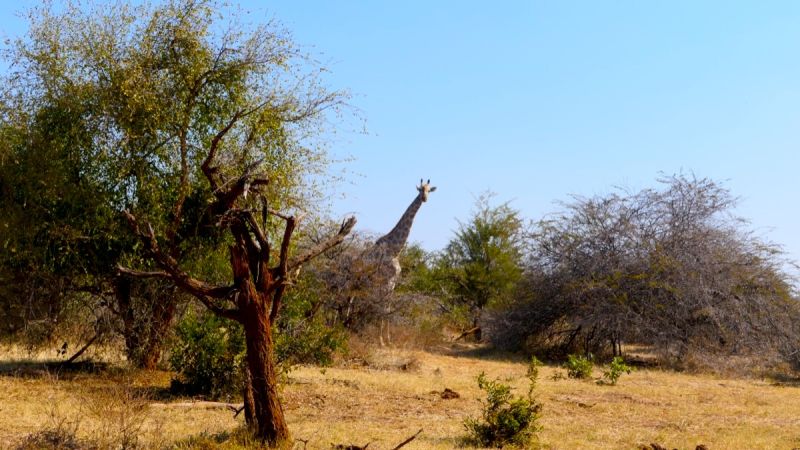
[(207, 356), (615, 370), (579, 367), (533, 371), (209, 351), (506, 419), (481, 265), (301, 335)]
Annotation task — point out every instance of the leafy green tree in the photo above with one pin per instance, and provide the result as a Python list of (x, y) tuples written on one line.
[(202, 134), (482, 264), (58, 231)]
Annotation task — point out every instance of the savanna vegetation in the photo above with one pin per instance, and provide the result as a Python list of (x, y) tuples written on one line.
[(170, 279)]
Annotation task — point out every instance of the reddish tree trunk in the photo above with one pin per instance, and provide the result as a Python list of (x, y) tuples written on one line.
[(145, 328), (156, 333), (255, 307), (270, 423)]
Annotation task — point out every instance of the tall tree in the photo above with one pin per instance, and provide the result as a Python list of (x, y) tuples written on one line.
[(482, 264), (204, 134)]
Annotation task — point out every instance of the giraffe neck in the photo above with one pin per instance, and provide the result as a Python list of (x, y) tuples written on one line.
[(394, 241)]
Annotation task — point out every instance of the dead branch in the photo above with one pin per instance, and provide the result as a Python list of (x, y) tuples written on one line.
[(200, 289), (82, 349), (142, 274), (323, 246), (469, 332), (403, 444)]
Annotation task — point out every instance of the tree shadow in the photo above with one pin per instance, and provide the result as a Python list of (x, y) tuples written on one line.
[(783, 379), (484, 352), (52, 368)]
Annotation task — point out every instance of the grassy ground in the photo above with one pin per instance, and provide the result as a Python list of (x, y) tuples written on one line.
[(382, 404)]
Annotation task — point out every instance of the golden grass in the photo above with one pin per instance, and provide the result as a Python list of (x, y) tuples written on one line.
[(357, 405)]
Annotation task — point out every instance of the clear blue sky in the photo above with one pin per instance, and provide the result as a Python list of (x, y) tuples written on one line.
[(539, 100)]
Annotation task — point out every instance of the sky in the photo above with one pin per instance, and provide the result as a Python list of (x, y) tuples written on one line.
[(536, 101)]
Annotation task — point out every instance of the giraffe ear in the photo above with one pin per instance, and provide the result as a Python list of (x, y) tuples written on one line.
[(432, 189)]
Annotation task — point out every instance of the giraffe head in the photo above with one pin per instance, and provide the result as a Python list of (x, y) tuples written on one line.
[(425, 189)]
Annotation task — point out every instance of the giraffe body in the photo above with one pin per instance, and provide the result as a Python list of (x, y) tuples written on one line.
[(384, 254)]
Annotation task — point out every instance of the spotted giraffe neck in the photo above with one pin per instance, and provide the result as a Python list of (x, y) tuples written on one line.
[(394, 241)]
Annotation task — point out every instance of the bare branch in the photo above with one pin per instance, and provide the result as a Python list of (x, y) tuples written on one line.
[(212, 151), (198, 288), (323, 246), (142, 274), (404, 443)]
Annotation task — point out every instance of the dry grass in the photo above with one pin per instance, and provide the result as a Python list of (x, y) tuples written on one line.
[(356, 405)]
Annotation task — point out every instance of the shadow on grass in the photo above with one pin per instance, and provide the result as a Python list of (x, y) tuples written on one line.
[(483, 352), (784, 379), (60, 369), (240, 438)]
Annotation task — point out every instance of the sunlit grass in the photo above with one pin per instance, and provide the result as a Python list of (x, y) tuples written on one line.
[(359, 405)]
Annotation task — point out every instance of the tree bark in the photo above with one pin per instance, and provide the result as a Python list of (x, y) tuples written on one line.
[(270, 422), (261, 396), (145, 327), (249, 402)]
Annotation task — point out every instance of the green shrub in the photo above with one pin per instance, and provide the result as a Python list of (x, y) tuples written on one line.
[(615, 370), (579, 367), (301, 336), (506, 419), (208, 356), (209, 351)]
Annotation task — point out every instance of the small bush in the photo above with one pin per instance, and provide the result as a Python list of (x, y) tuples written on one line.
[(506, 419), (54, 439), (579, 367), (119, 418), (615, 370), (208, 356)]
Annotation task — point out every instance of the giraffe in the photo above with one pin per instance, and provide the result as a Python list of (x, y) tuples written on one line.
[(383, 255)]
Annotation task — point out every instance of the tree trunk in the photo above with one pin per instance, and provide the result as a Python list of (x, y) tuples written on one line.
[(249, 401), (122, 292), (155, 335), (261, 396), (270, 423), (145, 327)]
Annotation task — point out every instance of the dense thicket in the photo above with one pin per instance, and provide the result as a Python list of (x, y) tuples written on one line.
[(670, 267)]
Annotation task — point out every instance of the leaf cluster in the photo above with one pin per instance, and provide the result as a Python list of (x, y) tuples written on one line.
[(506, 419)]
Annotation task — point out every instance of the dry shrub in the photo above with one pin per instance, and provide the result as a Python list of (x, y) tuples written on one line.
[(119, 416), (672, 268), (110, 417), (59, 435), (364, 353)]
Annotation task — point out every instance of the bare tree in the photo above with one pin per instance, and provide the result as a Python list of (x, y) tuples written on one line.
[(672, 268)]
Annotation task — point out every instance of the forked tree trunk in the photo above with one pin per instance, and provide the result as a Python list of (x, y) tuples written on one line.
[(270, 423), (261, 394), (256, 290)]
